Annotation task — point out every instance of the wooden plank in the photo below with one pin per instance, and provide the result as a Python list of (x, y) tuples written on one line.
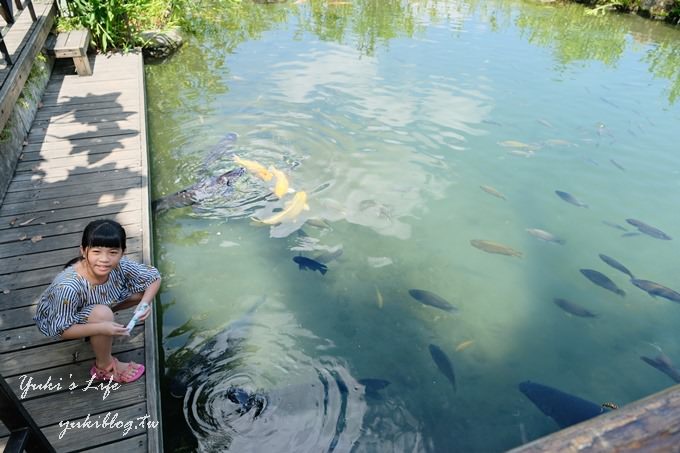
[(52, 99), (650, 424), (95, 145), (44, 276), (60, 110), (14, 83), (62, 353), (77, 439), (77, 180), (67, 406), (70, 115), (137, 443), (28, 335), (153, 403), (64, 375), (16, 319), (50, 258), (105, 129), (76, 160), (64, 226), (27, 247), (115, 181), (81, 119), (92, 87), (21, 297), (47, 174), (31, 209)]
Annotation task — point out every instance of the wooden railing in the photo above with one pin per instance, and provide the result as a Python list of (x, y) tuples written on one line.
[(24, 433), (7, 14)]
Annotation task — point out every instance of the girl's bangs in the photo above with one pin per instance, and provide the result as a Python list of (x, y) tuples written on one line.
[(106, 236)]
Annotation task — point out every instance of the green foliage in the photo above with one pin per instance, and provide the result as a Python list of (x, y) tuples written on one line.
[(116, 23)]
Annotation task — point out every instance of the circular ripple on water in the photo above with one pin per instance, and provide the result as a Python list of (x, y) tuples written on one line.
[(320, 409)]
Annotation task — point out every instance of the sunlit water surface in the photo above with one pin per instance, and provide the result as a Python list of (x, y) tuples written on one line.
[(390, 116)]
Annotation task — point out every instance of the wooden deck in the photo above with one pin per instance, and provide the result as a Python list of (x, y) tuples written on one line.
[(85, 158)]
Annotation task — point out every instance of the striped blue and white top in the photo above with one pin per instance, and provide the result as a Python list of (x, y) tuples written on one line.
[(70, 298)]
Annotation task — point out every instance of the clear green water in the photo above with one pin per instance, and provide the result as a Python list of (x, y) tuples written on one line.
[(390, 116)]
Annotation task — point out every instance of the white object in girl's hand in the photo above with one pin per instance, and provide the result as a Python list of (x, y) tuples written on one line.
[(141, 308)]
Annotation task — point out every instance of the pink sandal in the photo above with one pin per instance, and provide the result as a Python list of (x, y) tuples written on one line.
[(130, 374)]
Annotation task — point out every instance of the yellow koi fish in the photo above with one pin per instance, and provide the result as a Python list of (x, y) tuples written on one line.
[(464, 345), (281, 187), (293, 208), (254, 167)]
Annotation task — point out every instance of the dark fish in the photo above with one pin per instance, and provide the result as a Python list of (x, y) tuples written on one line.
[(614, 225), (443, 363), (573, 308), (373, 386), (663, 364), (429, 298), (602, 280), (562, 407), (615, 264), (655, 289), (308, 263), (222, 149), (569, 198), (649, 230), (617, 165), (213, 186)]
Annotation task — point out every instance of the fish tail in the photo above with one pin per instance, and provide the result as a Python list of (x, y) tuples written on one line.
[(621, 292), (323, 270)]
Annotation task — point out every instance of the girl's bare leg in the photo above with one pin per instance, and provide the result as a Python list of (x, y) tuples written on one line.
[(102, 344)]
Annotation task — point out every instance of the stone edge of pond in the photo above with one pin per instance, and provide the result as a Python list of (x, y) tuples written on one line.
[(18, 125)]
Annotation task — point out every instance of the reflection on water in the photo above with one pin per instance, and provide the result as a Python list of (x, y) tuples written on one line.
[(488, 153)]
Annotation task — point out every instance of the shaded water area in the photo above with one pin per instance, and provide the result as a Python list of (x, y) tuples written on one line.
[(391, 116)]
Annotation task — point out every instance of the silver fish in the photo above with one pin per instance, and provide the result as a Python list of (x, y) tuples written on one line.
[(544, 235), (649, 230)]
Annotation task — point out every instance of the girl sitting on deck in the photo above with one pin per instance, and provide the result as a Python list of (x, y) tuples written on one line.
[(81, 300)]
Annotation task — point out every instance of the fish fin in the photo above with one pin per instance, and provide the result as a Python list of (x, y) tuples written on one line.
[(323, 269), (306, 207), (291, 190)]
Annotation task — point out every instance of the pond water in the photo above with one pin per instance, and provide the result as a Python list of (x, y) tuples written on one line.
[(414, 128)]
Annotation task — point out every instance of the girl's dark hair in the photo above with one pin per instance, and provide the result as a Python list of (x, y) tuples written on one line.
[(101, 233), (104, 233)]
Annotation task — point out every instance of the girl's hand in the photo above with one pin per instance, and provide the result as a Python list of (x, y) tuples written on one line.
[(113, 329), (146, 313)]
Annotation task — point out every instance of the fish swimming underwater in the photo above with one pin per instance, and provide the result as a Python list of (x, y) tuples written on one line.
[(569, 198), (292, 209), (656, 289), (281, 186), (574, 309), (254, 167), (602, 280), (210, 187), (222, 149), (429, 298), (663, 364), (562, 407), (649, 230), (444, 364), (544, 236), (495, 247), (615, 264), (492, 191), (308, 263)]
